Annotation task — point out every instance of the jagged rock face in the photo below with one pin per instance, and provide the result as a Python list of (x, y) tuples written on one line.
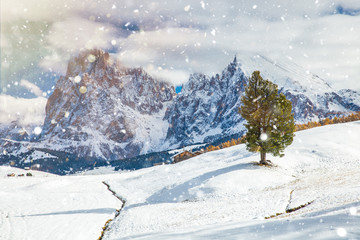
[(102, 110), (207, 108)]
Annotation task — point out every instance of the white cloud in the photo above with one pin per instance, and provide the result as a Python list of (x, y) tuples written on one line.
[(181, 42), (31, 87), (328, 46), (72, 35), (26, 111)]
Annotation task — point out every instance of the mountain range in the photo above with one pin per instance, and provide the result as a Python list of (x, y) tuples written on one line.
[(101, 111)]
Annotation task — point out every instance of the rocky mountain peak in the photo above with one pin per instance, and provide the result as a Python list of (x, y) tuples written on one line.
[(96, 108), (87, 61), (207, 107), (230, 70)]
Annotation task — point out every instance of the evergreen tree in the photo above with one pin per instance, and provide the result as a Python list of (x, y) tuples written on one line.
[(270, 123)]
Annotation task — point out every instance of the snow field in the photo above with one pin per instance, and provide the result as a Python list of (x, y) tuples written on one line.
[(217, 195), (53, 207), (224, 188), (332, 224)]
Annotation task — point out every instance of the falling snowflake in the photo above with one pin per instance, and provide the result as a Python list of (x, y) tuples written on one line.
[(353, 211), (82, 89), (263, 137), (91, 58), (256, 99), (341, 232), (77, 79), (187, 8), (37, 130), (22, 131)]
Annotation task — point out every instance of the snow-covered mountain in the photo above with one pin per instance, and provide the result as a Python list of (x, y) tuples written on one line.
[(311, 96), (101, 111), (207, 108), (105, 111)]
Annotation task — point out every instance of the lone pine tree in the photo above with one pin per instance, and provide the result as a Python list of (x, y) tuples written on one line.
[(270, 123)]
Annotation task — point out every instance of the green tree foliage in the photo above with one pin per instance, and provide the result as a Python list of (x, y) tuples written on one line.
[(270, 123)]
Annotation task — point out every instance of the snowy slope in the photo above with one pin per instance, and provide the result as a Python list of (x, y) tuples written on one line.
[(217, 195), (285, 73), (225, 188), (47, 206), (337, 223)]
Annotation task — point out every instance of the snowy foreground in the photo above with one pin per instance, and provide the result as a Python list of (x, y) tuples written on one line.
[(217, 195), (46, 206)]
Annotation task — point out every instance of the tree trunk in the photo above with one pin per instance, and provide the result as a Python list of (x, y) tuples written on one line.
[(263, 158)]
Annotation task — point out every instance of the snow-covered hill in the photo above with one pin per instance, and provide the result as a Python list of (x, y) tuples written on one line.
[(226, 190), (217, 195), (46, 206)]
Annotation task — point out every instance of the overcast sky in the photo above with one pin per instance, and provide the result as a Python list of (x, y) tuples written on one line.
[(172, 39)]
